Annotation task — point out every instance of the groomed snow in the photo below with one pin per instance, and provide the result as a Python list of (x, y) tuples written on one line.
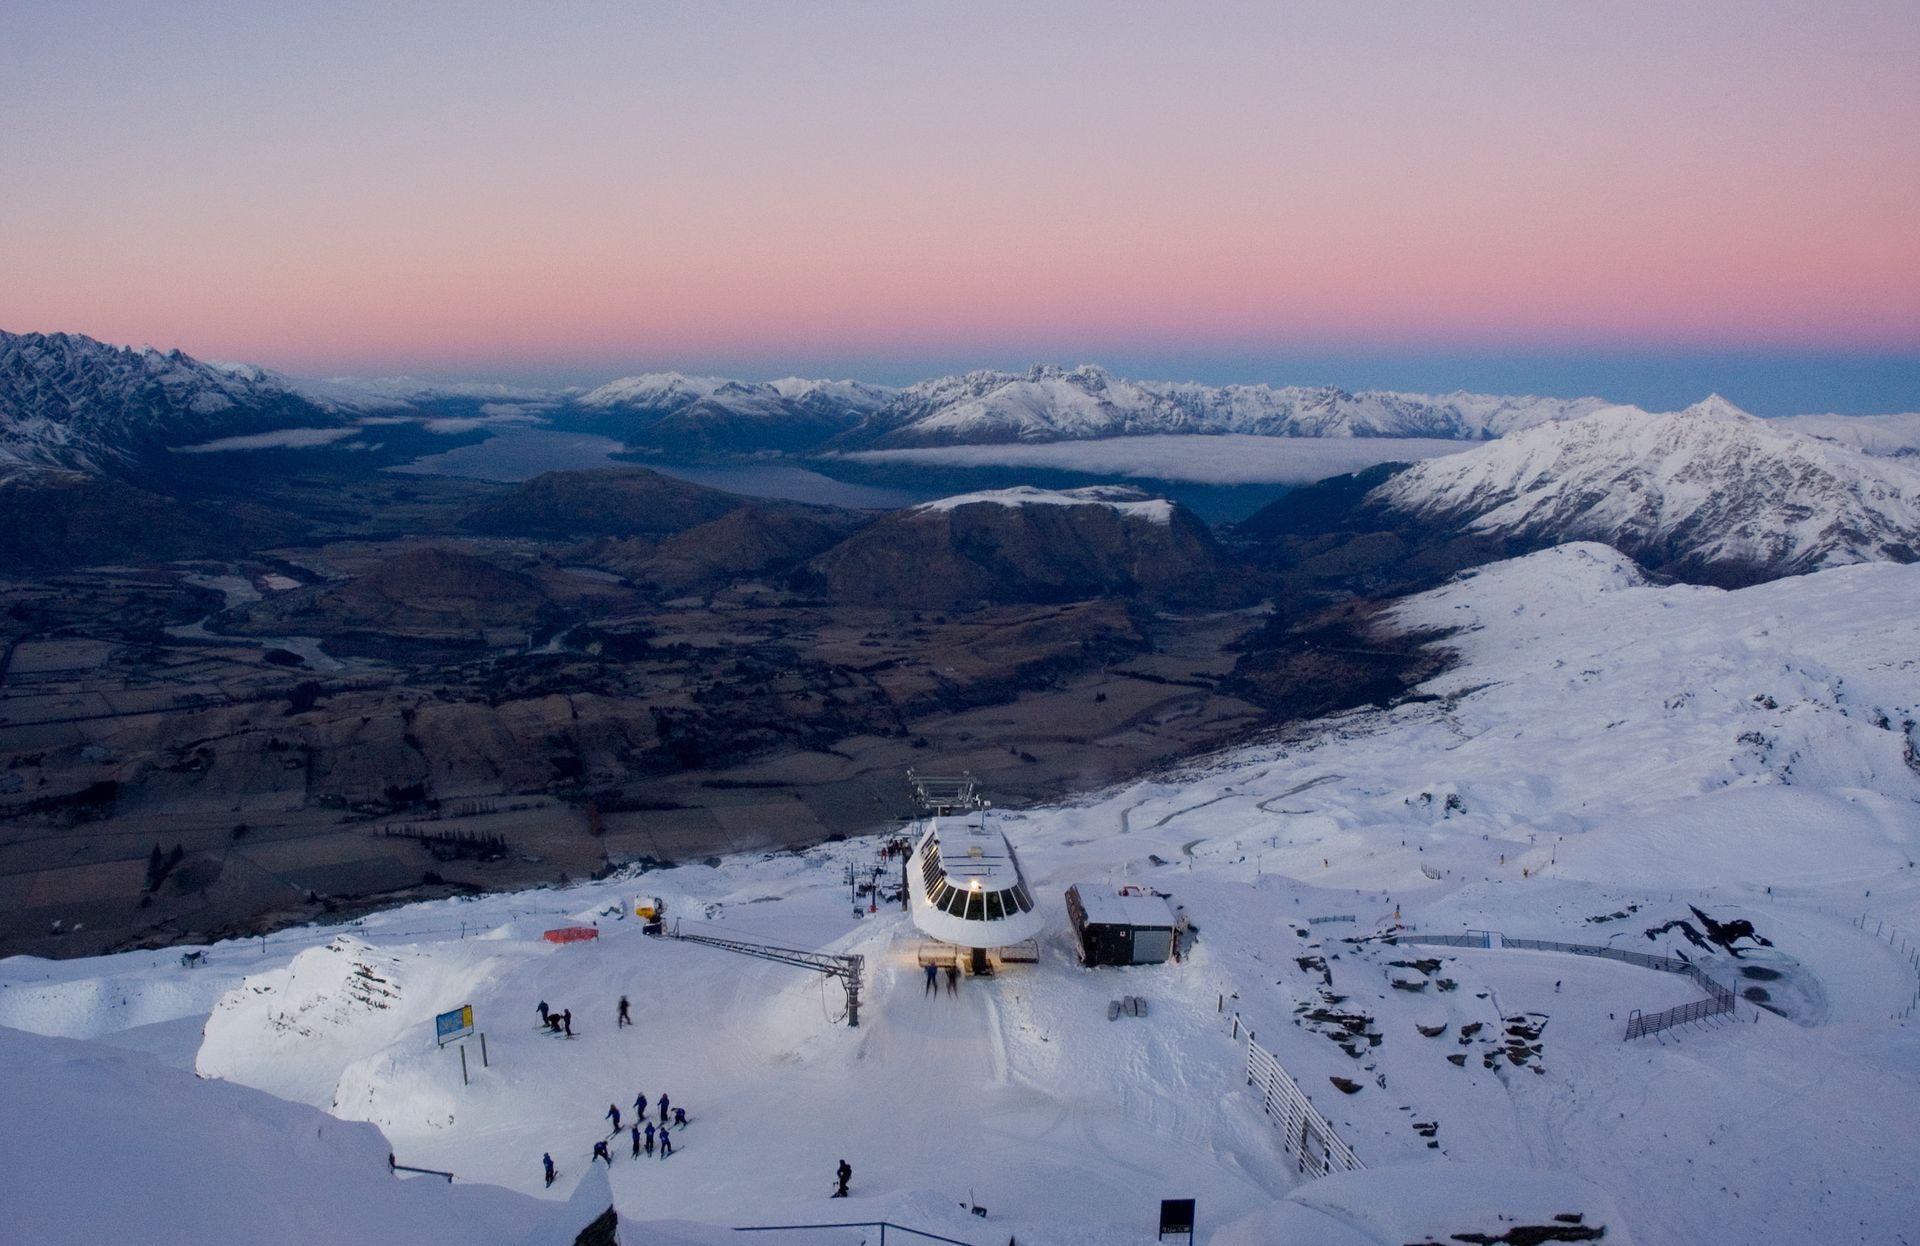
[(1607, 756)]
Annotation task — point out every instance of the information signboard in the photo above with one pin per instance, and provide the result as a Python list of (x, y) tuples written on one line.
[(451, 1025), (1176, 1216)]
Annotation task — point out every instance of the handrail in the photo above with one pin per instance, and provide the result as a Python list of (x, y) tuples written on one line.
[(431, 1172), (882, 1225)]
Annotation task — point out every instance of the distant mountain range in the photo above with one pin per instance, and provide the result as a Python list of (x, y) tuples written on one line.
[(69, 402)]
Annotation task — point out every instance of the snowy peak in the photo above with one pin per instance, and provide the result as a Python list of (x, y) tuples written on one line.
[(672, 413), (661, 391), (69, 402), (1706, 493), (1049, 402)]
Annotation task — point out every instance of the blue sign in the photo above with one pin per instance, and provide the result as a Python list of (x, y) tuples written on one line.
[(451, 1025)]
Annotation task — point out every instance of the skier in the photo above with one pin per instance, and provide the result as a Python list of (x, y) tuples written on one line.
[(953, 979), (933, 981), (624, 1019), (845, 1173), (649, 1137), (613, 1114), (600, 1152), (640, 1107), (666, 1143), (546, 1162), (566, 1022), (679, 1118), (542, 1006), (553, 1023), (663, 1111), (1556, 986), (636, 1141)]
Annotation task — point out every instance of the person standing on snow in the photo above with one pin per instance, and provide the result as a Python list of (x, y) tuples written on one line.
[(649, 1137), (566, 1022), (636, 1142), (953, 979), (600, 1152), (546, 1162), (613, 1114), (639, 1107), (623, 1019), (933, 981), (663, 1111), (845, 1173), (542, 1006), (666, 1143), (679, 1118)]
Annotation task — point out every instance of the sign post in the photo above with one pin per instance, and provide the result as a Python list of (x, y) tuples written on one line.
[(451, 1025), (1176, 1216)]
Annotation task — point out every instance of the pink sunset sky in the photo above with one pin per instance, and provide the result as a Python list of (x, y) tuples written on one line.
[(494, 190)]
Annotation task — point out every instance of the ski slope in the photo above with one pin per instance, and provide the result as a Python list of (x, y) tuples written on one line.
[(1605, 757)]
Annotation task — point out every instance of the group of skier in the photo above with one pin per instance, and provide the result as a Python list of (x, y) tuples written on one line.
[(933, 980), (642, 1131), (556, 1022)]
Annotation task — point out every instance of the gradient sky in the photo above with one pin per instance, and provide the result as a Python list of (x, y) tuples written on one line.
[(1608, 198)]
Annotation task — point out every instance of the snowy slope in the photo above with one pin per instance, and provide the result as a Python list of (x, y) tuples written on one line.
[(1051, 403), (105, 1146), (1118, 498), (1605, 756), (1709, 489), (1888, 436)]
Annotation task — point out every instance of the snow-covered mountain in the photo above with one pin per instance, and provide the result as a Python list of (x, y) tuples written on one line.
[(67, 401), (673, 413), (1051, 403), (1706, 493), (1026, 544)]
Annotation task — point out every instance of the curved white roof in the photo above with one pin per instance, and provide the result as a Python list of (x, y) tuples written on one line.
[(958, 854)]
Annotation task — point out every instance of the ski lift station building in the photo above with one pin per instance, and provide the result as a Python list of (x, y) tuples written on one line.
[(1128, 927), (964, 882)]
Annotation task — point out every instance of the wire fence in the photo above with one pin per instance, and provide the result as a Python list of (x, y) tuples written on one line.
[(1719, 1001)]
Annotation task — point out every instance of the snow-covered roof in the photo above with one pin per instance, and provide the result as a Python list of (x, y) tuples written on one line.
[(1106, 907)]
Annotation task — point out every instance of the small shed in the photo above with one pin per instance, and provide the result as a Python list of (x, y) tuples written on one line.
[(1130, 926)]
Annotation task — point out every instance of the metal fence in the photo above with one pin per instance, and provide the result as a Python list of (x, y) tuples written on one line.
[(1719, 999), (1304, 1133), (1473, 938)]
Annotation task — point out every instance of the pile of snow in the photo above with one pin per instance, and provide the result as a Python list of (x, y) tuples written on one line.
[(1122, 498)]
